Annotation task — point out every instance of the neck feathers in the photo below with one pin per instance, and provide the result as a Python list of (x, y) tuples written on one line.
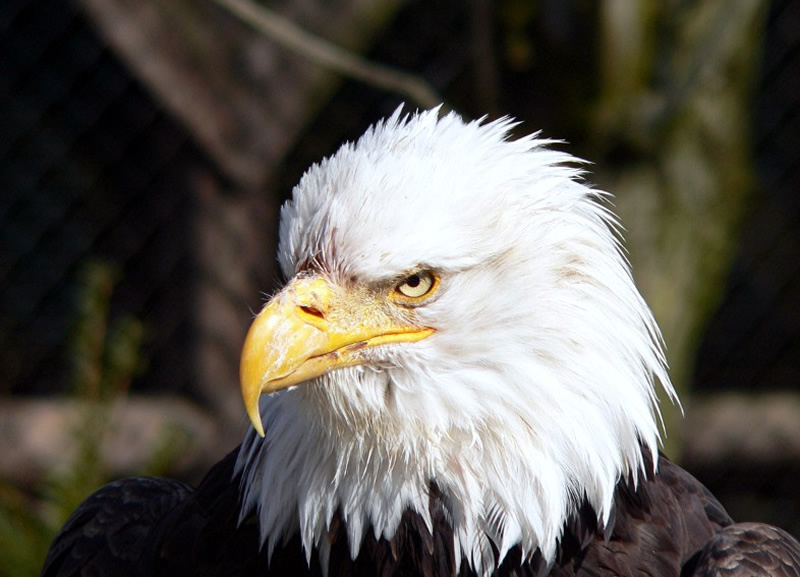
[(501, 485)]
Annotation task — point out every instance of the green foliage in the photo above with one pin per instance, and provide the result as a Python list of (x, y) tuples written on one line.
[(24, 534), (105, 356)]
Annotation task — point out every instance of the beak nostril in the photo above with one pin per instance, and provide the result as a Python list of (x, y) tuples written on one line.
[(312, 311)]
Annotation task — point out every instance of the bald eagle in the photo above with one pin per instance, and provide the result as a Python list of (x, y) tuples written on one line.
[(458, 378)]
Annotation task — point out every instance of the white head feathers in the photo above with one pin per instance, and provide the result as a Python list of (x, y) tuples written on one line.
[(537, 389)]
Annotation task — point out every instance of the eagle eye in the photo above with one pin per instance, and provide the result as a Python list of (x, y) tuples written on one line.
[(417, 286)]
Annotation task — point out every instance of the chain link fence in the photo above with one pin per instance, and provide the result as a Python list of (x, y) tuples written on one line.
[(92, 169), (753, 343)]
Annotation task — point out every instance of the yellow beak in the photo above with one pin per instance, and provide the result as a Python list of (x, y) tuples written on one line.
[(312, 327)]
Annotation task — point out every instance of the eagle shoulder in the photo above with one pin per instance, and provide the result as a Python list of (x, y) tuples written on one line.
[(746, 550), (670, 524), (112, 532), (660, 521), (145, 526)]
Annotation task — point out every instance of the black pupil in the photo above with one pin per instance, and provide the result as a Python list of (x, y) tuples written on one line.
[(413, 281)]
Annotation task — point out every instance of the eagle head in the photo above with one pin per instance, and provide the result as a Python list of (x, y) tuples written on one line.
[(458, 311)]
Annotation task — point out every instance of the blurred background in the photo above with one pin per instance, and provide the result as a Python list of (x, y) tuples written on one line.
[(145, 148)]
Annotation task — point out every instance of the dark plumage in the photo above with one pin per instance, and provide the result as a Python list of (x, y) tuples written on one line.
[(670, 525)]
